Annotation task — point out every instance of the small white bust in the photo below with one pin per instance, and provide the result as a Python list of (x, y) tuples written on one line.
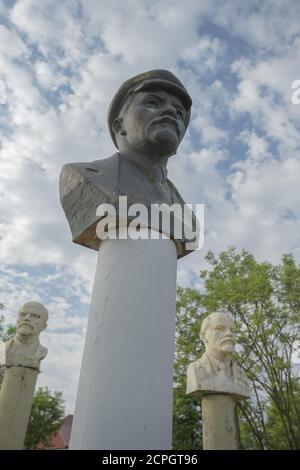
[(215, 372), (24, 349)]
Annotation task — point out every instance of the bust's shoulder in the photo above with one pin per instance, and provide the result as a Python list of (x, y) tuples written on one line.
[(9, 343), (239, 373), (197, 375), (107, 162), (84, 167), (199, 363), (42, 352), (177, 194), (192, 366), (76, 174)]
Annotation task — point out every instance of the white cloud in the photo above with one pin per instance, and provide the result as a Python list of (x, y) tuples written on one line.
[(268, 26), (47, 77), (264, 91), (207, 54), (14, 46)]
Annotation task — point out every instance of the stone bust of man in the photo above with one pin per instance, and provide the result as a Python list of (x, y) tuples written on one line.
[(147, 119), (24, 349), (215, 372)]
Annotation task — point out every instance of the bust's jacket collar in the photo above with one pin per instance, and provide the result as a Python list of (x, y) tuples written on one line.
[(146, 165)]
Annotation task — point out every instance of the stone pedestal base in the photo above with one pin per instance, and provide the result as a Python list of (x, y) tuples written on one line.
[(219, 424), (124, 398), (16, 396)]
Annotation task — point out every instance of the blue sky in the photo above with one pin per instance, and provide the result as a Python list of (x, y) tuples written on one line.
[(61, 63)]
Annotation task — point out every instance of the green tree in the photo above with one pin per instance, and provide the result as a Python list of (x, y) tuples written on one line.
[(265, 303), (186, 411), (45, 419), (274, 424)]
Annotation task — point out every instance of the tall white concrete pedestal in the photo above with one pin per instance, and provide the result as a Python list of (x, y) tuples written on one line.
[(124, 398)]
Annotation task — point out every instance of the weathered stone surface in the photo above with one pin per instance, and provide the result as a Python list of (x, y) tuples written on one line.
[(16, 396), (125, 391), (124, 398), (219, 423), (202, 381), (219, 382), (146, 136), (21, 356), (215, 372), (85, 186)]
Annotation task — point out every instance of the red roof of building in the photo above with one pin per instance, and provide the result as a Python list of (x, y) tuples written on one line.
[(61, 439)]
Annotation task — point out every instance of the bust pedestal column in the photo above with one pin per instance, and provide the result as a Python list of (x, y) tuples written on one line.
[(219, 423), (125, 390), (16, 397)]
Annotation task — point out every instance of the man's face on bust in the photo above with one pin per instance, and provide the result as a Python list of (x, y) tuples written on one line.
[(220, 335), (32, 319), (153, 123)]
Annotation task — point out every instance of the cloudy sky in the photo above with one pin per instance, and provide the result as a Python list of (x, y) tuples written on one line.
[(62, 61)]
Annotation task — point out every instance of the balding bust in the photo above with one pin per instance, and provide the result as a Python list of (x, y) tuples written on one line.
[(24, 349), (215, 372)]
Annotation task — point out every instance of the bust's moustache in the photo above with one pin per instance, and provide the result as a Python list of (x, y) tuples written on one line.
[(227, 340), (26, 324), (165, 119)]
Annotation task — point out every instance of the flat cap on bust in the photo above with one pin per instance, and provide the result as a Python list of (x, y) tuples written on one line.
[(148, 80)]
